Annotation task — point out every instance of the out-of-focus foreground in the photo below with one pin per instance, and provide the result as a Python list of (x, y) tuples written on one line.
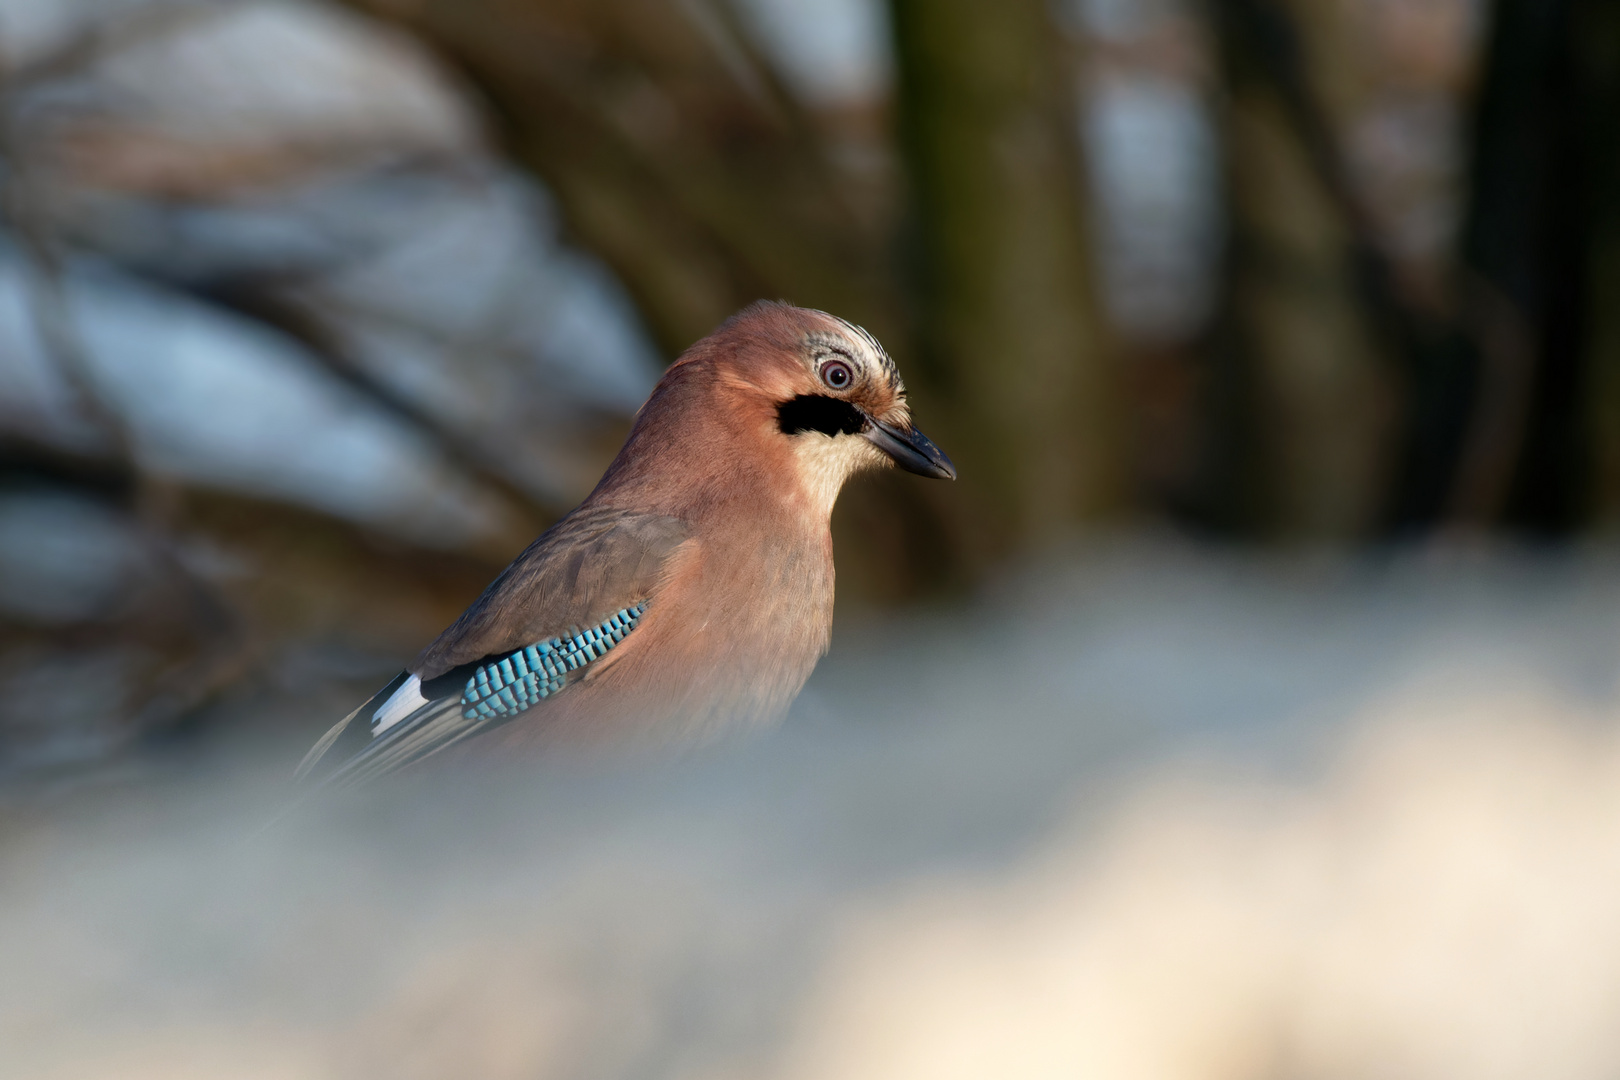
[(1159, 817)]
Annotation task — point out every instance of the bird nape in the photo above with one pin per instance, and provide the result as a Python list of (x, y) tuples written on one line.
[(692, 588)]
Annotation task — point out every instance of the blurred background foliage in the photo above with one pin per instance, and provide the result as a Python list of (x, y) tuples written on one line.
[(311, 314)]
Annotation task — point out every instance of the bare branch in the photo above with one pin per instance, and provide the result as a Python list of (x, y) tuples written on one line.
[(301, 321)]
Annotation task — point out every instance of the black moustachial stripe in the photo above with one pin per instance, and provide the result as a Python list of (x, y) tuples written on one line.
[(817, 412)]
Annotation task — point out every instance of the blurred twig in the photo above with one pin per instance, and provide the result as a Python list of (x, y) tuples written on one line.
[(259, 299), (1266, 32), (103, 36), (310, 325), (758, 72), (219, 643), (701, 197)]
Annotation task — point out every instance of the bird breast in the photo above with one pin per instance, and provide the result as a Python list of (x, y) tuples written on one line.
[(749, 620)]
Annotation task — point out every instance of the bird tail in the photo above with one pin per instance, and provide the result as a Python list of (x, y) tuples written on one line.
[(307, 767), (316, 752), (357, 756)]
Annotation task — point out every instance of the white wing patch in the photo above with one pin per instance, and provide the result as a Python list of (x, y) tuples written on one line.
[(404, 701)]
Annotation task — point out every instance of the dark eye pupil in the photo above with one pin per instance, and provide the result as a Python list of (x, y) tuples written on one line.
[(837, 375)]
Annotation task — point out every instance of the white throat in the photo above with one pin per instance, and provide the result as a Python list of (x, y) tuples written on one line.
[(825, 462)]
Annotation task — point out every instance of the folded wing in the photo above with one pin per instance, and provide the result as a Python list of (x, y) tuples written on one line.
[(550, 619)]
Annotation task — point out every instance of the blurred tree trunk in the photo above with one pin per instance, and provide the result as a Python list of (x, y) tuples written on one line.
[(1542, 238), (1521, 241), (1016, 367), (1304, 421), (1597, 43)]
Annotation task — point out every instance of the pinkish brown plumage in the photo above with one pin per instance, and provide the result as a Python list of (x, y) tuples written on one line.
[(702, 562)]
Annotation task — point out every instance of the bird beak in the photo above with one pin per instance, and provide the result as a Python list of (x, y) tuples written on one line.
[(910, 449)]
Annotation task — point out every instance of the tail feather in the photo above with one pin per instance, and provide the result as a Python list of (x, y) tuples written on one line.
[(318, 751), (429, 729)]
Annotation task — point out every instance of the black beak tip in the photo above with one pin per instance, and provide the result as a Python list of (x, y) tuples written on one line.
[(940, 466), (911, 450)]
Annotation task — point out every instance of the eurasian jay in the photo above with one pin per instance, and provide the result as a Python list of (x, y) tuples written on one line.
[(693, 587)]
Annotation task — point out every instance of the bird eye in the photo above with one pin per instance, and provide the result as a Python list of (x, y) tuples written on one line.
[(836, 374)]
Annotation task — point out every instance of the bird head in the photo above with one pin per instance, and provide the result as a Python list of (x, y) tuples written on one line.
[(828, 390), (775, 389)]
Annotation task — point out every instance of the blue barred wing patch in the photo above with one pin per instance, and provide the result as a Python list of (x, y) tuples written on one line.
[(501, 689)]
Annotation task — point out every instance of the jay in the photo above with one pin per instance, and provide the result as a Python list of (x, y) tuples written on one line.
[(693, 587)]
